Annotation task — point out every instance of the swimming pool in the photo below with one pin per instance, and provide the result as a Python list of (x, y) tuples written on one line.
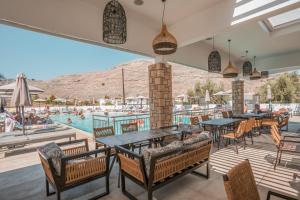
[(113, 119)]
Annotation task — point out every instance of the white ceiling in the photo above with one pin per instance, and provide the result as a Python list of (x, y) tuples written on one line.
[(258, 42), (175, 9), (189, 21)]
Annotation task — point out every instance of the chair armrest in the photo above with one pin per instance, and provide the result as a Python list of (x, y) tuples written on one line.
[(128, 152), (72, 142), (291, 136), (292, 141), (270, 193)]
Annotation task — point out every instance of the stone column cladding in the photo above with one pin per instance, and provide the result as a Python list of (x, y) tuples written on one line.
[(238, 97), (160, 95)]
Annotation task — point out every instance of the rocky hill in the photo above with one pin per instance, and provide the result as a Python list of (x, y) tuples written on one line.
[(101, 83)]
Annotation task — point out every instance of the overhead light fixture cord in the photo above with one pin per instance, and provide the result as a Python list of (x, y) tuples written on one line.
[(229, 47), (163, 15)]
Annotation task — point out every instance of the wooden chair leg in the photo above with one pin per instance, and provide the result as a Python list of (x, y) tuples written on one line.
[(236, 146), (251, 135), (280, 157), (150, 195), (58, 195), (48, 193), (276, 159), (123, 183), (245, 143)]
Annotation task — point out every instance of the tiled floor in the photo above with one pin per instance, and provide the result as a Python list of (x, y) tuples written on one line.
[(21, 176)]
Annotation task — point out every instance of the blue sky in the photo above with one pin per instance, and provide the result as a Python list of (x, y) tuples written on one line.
[(43, 57)]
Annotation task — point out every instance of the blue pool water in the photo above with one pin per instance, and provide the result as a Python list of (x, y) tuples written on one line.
[(82, 124), (87, 123)]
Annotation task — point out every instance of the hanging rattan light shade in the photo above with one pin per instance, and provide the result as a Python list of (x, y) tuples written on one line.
[(255, 75), (230, 71), (164, 43), (214, 60), (114, 23), (247, 67)]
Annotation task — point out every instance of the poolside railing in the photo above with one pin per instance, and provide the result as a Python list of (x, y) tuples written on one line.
[(143, 120)]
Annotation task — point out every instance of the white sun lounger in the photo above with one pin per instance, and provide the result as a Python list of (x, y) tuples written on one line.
[(17, 140)]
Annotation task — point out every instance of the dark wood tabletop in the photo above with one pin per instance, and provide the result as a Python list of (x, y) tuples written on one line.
[(250, 115), (220, 122), (134, 137)]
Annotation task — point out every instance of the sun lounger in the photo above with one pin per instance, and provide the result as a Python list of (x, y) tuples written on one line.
[(17, 140)]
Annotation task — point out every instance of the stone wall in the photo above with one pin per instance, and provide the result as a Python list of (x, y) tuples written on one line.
[(238, 97), (160, 95)]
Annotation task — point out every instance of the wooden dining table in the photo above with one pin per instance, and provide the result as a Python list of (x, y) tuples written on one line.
[(218, 126), (136, 137), (251, 115)]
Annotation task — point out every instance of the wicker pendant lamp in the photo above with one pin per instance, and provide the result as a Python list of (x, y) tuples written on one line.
[(214, 60), (247, 66), (164, 43), (255, 74), (114, 23), (230, 71)]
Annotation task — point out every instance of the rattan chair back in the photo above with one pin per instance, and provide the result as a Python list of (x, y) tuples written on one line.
[(131, 127), (240, 184), (250, 125), (204, 118), (275, 135), (103, 132), (230, 113), (194, 120), (225, 114), (241, 129)]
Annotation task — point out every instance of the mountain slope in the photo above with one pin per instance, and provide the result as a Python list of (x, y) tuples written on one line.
[(99, 84)]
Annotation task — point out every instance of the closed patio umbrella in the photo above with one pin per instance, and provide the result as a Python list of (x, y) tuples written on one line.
[(21, 96), (207, 98), (2, 104), (269, 96)]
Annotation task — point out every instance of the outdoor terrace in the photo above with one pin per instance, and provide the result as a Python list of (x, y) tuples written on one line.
[(22, 176)]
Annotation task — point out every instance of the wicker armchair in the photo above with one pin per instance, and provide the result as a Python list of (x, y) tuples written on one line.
[(286, 144), (195, 125), (225, 114), (236, 135), (133, 127), (230, 114), (103, 132), (249, 128), (205, 118), (283, 122), (240, 184), (78, 166)]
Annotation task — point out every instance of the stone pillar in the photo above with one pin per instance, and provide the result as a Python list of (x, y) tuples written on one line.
[(160, 95), (238, 97)]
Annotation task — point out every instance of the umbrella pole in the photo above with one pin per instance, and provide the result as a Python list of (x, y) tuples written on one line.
[(23, 121)]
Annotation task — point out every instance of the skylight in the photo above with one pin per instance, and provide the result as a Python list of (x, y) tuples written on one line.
[(254, 8), (249, 6), (285, 18)]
